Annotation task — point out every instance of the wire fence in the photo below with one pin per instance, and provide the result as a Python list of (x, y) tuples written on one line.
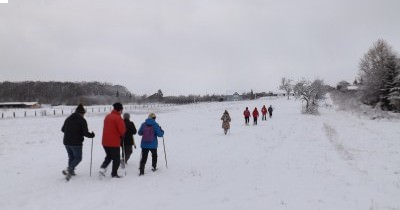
[(67, 110)]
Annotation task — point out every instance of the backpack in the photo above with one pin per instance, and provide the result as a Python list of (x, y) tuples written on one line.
[(148, 133)]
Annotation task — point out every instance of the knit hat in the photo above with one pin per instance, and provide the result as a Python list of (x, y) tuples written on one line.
[(152, 116), (118, 106), (126, 116), (80, 109)]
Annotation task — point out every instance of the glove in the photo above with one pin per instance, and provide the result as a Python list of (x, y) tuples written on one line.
[(134, 146), (92, 135)]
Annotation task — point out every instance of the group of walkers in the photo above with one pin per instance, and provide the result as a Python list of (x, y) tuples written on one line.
[(255, 114), (117, 133), (226, 119)]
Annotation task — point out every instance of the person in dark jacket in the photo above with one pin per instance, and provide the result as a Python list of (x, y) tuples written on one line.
[(127, 141), (75, 128), (270, 109), (149, 130)]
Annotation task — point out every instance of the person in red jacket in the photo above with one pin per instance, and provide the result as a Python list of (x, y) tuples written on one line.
[(113, 130), (246, 114), (264, 113), (255, 115)]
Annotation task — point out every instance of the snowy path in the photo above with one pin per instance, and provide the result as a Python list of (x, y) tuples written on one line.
[(293, 161)]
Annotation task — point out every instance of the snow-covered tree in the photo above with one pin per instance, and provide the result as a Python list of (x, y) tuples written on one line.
[(310, 92), (377, 72), (286, 86), (389, 83)]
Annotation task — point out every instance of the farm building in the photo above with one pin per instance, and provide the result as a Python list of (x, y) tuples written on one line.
[(8, 105)]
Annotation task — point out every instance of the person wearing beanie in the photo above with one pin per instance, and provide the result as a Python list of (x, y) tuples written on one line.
[(118, 106), (149, 130), (113, 130), (128, 140), (80, 109), (75, 128)]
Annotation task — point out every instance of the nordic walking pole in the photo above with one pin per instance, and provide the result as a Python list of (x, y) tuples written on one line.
[(165, 154), (91, 154)]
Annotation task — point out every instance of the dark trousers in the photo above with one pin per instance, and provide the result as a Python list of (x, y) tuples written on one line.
[(145, 153), (127, 151), (246, 120), (112, 153), (264, 117), (74, 156), (270, 114), (255, 120)]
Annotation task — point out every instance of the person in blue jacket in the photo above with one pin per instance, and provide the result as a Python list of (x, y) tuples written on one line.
[(149, 130)]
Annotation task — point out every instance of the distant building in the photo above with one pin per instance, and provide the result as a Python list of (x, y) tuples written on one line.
[(352, 88), (234, 97), (32, 105)]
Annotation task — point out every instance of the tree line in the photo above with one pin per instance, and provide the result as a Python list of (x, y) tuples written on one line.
[(63, 93), (91, 93)]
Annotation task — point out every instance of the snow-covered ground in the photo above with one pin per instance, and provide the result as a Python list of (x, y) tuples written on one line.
[(335, 160)]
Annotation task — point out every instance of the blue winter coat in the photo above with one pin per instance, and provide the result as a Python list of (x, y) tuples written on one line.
[(157, 132)]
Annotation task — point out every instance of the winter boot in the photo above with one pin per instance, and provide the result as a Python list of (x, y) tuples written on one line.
[(65, 172), (102, 171), (72, 172), (68, 171)]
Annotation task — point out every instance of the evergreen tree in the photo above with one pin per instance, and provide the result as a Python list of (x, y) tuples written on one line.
[(388, 82), (394, 93)]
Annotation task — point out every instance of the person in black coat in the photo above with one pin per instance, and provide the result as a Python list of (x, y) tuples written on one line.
[(270, 109), (75, 128), (128, 141)]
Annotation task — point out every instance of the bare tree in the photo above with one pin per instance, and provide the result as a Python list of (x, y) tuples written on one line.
[(310, 92), (286, 86)]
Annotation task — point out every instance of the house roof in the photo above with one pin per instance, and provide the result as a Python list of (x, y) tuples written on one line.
[(19, 103)]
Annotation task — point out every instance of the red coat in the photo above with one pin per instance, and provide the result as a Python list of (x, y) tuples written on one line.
[(113, 130), (264, 110), (255, 113), (246, 113)]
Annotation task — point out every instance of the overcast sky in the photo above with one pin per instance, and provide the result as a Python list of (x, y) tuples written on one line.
[(184, 46)]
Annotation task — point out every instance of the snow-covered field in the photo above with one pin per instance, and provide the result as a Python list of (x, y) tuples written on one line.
[(335, 160)]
